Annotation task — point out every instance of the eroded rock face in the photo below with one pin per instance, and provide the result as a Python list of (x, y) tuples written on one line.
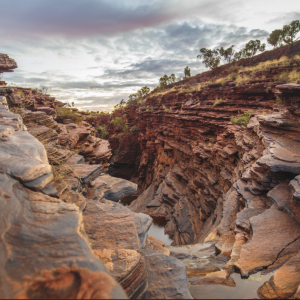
[(49, 234), (113, 188), (7, 64), (22, 156), (167, 277), (110, 225), (214, 180)]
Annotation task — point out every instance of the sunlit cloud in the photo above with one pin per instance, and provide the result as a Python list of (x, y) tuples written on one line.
[(95, 53)]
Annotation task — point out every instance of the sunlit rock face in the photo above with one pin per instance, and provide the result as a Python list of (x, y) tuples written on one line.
[(7, 64), (44, 250), (234, 183), (64, 234)]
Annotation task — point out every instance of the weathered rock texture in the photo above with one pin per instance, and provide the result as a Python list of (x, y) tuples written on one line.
[(7, 64), (62, 141), (53, 247), (112, 188), (214, 180), (44, 252), (167, 278)]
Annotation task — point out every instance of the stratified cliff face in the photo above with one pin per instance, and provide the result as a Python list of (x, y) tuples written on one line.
[(216, 180), (63, 233), (192, 154), (125, 163), (44, 251)]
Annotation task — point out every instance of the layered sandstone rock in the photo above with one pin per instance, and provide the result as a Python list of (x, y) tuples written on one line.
[(7, 64), (112, 188), (214, 180), (58, 235), (44, 250), (167, 278)]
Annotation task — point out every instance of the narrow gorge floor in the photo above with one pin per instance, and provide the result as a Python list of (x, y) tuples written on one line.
[(157, 229), (201, 260)]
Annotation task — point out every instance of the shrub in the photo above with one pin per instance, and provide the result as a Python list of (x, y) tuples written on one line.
[(134, 129), (240, 79), (282, 78), (244, 120), (104, 134), (117, 122), (278, 101), (65, 113), (149, 108), (21, 94), (166, 109), (119, 136), (101, 128)]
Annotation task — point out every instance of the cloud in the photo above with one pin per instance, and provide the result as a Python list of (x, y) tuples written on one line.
[(103, 50), (285, 19), (75, 18)]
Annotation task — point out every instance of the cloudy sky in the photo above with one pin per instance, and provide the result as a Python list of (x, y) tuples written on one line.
[(96, 52)]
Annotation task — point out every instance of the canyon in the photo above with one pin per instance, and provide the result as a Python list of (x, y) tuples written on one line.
[(216, 158), (63, 232)]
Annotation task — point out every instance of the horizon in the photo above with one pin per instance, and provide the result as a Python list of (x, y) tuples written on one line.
[(87, 57)]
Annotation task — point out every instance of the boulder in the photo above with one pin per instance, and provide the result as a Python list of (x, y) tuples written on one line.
[(269, 239), (112, 226), (128, 268), (114, 188), (167, 277)]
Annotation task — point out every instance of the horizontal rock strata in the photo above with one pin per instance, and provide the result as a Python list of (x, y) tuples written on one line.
[(220, 162), (44, 252)]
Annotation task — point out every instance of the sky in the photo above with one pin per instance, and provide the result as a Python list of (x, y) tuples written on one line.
[(96, 52)]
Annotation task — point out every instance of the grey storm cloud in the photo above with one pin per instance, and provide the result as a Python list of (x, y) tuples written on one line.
[(150, 68), (132, 43), (93, 17)]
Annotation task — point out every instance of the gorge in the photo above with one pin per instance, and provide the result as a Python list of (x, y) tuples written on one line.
[(216, 156)]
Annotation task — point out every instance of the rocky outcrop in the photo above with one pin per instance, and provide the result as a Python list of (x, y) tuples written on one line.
[(7, 64), (95, 228), (62, 141), (220, 162), (61, 219), (167, 278), (44, 252), (112, 188)]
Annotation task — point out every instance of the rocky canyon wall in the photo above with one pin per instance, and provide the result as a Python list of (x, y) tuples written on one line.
[(63, 232), (233, 180)]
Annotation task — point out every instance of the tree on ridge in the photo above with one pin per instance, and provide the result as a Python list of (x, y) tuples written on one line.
[(227, 54), (187, 72), (211, 58), (287, 35)]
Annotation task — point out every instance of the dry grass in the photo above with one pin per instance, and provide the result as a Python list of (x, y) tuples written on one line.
[(241, 79), (66, 113), (269, 64), (289, 76), (222, 80), (217, 101)]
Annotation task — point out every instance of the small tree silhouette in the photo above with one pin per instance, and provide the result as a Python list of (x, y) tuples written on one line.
[(187, 72)]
